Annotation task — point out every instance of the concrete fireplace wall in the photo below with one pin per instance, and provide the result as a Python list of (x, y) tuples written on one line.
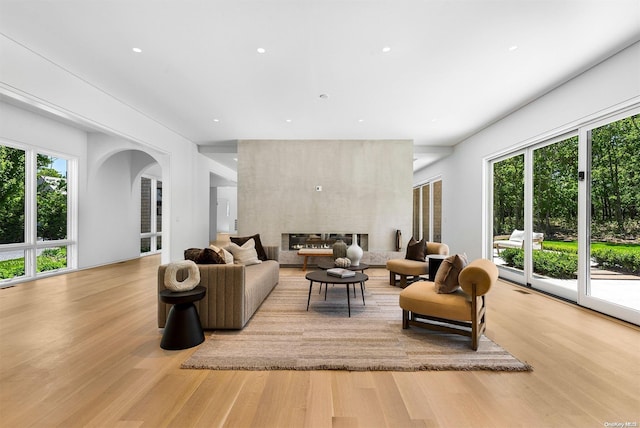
[(366, 188)]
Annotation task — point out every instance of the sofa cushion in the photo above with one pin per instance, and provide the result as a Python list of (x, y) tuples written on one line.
[(446, 280), (245, 254), (226, 255), (407, 267), (204, 256), (240, 240), (517, 235), (260, 280), (416, 250), (422, 298)]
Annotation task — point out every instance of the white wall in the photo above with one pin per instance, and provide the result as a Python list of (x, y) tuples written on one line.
[(230, 195), (109, 209), (109, 215), (213, 213), (33, 129), (611, 83), (32, 79)]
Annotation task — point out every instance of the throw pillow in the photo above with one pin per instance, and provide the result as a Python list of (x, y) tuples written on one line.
[(245, 254), (446, 280), (262, 255), (416, 250), (192, 254), (226, 256), (205, 256)]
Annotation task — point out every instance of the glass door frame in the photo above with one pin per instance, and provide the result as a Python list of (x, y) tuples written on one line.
[(584, 222), (538, 283), (520, 277), (582, 129)]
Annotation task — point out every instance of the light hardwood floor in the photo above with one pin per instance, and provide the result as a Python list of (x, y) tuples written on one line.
[(82, 349)]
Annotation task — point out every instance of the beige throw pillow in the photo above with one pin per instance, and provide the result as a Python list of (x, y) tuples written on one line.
[(239, 240), (447, 276), (226, 256), (245, 254)]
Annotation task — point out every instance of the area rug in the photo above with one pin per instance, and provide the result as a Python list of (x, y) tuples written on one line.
[(283, 335)]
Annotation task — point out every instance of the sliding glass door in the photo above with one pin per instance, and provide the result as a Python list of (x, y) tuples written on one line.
[(554, 241), (613, 253), (566, 216), (508, 217)]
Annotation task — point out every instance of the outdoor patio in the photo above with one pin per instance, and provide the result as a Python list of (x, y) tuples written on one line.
[(620, 288)]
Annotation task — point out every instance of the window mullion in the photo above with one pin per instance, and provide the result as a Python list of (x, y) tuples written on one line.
[(72, 213), (152, 213), (528, 214), (31, 213)]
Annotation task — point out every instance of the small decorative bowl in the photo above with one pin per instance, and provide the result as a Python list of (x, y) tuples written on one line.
[(343, 262)]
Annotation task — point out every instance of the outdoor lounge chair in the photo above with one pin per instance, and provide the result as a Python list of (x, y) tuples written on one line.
[(516, 240)]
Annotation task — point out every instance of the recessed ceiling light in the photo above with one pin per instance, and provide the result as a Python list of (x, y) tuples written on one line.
[(513, 48), (288, 120), (386, 49), (137, 50), (360, 120), (216, 120), (261, 50)]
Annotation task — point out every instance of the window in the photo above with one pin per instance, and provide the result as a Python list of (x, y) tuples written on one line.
[(150, 215), (35, 214), (427, 211), (12, 195)]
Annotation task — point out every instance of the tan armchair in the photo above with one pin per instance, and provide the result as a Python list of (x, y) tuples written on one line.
[(409, 268), (461, 312)]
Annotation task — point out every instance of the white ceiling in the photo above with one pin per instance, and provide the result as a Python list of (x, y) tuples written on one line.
[(451, 70)]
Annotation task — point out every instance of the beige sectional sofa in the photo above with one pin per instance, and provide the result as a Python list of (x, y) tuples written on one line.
[(234, 292)]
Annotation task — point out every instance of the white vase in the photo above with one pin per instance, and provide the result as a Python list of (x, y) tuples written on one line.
[(354, 252)]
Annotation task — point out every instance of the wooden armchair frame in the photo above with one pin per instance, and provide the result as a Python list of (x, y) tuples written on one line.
[(473, 329)]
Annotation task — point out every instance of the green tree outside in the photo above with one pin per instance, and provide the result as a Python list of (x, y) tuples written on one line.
[(12, 193), (615, 194)]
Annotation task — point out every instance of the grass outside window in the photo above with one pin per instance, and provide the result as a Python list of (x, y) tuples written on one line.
[(48, 260)]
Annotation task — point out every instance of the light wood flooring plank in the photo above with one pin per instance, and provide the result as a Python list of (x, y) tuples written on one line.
[(82, 349)]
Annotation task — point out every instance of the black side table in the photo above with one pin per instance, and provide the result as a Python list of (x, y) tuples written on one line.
[(435, 260), (182, 329)]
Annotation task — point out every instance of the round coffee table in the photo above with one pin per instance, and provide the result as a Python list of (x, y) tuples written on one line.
[(330, 264), (182, 329), (323, 277)]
